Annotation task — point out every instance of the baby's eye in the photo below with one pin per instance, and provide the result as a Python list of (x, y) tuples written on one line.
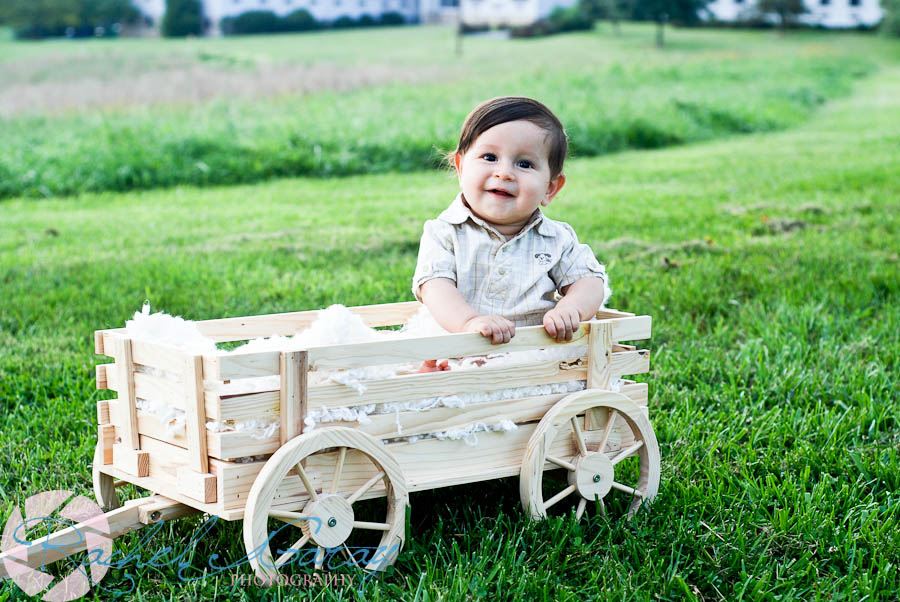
[(524, 164), (489, 157)]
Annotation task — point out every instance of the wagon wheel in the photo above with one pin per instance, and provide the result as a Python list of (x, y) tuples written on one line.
[(593, 467), (315, 498)]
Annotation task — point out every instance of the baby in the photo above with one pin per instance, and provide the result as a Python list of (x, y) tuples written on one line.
[(492, 261)]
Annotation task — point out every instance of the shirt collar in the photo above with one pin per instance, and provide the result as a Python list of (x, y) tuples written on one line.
[(457, 213)]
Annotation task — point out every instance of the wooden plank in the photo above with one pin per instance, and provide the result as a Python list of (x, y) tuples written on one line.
[(107, 436), (398, 389), (156, 355), (235, 444), (195, 414), (201, 487), (161, 508), (599, 365), (103, 412), (90, 533), (606, 313), (356, 355), (101, 371), (629, 362), (413, 387), (125, 379), (527, 409), (293, 393), (159, 483), (264, 405), (98, 342), (222, 445), (631, 329), (156, 388), (288, 324), (132, 461)]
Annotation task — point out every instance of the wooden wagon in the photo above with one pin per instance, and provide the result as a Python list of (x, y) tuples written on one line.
[(313, 481)]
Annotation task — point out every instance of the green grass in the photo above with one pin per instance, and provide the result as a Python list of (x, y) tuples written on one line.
[(612, 94), (768, 262)]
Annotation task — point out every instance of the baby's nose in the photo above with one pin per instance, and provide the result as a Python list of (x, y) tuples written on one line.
[(504, 172)]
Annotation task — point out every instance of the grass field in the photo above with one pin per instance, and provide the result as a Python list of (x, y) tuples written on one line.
[(157, 113), (768, 261)]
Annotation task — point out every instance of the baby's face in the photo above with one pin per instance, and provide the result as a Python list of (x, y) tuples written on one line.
[(505, 175)]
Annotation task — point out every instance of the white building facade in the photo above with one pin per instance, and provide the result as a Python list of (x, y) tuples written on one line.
[(833, 14), (508, 12)]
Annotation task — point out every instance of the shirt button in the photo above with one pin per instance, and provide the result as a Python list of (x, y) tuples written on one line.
[(501, 271), (504, 249)]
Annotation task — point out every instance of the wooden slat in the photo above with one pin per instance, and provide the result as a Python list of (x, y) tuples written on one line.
[(260, 406), (125, 379), (414, 387), (103, 412), (101, 371), (599, 365), (195, 414), (629, 362), (527, 409), (146, 386), (287, 324), (293, 393)]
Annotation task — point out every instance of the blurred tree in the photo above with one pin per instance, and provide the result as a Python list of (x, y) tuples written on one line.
[(612, 10), (891, 23), (42, 18), (182, 18), (787, 10), (678, 11)]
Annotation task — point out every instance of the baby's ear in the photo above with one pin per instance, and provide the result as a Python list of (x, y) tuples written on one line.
[(457, 162), (553, 188)]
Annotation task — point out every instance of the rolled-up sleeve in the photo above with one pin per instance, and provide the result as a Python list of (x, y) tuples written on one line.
[(437, 257), (576, 262)]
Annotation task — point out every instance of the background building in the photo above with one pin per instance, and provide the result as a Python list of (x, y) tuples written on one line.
[(825, 13)]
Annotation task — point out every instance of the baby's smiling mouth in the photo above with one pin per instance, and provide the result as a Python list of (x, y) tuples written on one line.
[(500, 192)]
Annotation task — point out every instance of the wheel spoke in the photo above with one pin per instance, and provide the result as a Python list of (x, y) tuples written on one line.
[(320, 561), (561, 463), (291, 551), (368, 485), (627, 452), (601, 504), (287, 517), (628, 489), (359, 524), (610, 421), (337, 469), (559, 496), (579, 437), (309, 488), (582, 503)]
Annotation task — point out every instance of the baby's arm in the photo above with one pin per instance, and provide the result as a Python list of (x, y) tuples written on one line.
[(580, 301), (451, 311)]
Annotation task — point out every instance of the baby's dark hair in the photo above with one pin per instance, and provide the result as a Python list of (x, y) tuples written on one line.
[(512, 108)]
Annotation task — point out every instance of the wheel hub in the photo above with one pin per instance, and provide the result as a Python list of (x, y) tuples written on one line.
[(330, 520), (593, 475)]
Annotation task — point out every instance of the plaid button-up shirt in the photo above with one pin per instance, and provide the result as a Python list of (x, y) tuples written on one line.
[(516, 278)]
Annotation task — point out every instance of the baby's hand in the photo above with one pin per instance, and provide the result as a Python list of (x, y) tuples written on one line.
[(561, 322), (497, 328), (434, 366)]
